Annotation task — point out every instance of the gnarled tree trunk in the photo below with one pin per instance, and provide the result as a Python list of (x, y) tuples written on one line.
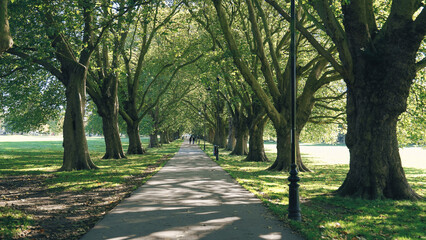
[(76, 152), (376, 97), (384, 64)]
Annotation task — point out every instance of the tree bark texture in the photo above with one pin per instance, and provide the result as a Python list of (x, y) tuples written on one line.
[(135, 145), (164, 137), (108, 109), (113, 146), (153, 140), (377, 94), (256, 147), (376, 97), (231, 137), (76, 152), (220, 134), (241, 135), (210, 136), (6, 41)]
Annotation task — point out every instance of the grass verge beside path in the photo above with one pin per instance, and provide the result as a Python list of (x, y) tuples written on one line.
[(37, 202), (324, 215)]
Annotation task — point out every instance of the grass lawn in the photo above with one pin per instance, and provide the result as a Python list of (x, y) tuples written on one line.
[(324, 215), (28, 175)]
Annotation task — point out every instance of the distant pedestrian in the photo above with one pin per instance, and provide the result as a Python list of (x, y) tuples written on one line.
[(193, 140)]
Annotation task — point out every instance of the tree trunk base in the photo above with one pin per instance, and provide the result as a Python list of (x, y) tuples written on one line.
[(259, 158), (138, 151), (89, 167), (115, 156), (346, 190), (281, 168), (235, 153)]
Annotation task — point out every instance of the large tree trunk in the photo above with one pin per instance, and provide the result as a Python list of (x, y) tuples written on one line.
[(372, 113), (283, 160), (164, 137), (153, 140), (377, 94), (76, 152), (231, 137), (135, 145), (210, 136), (241, 135), (113, 146), (6, 41), (220, 134), (256, 148), (375, 165), (108, 109)]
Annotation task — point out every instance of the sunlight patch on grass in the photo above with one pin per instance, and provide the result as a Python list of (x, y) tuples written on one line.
[(324, 215), (45, 158), (13, 222)]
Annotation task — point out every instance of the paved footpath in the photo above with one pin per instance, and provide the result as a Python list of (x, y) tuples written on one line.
[(191, 197)]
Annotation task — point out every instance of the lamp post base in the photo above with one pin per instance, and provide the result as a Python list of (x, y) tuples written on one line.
[(294, 205)]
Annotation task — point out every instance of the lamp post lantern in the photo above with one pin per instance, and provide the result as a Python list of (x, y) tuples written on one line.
[(293, 206)]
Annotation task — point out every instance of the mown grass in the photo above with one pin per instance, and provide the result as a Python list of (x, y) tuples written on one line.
[(45, 158), (324, 215)]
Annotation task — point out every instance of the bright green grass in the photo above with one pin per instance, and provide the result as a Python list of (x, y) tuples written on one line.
[(45, 158), (12, 222), (326, 216)]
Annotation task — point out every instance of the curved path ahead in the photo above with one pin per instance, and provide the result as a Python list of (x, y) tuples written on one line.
[(191, 197)]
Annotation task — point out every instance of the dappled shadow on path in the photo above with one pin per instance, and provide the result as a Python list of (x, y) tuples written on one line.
[(190, 198)]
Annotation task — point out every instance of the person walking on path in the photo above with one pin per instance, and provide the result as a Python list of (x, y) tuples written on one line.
[(191, 197)]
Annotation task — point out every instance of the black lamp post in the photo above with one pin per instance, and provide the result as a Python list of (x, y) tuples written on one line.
[(204, 126), (217, 121), (293, 206), (217, 108), (209, 91)]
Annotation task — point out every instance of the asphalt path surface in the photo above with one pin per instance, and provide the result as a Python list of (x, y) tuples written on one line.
[(191, 197)]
